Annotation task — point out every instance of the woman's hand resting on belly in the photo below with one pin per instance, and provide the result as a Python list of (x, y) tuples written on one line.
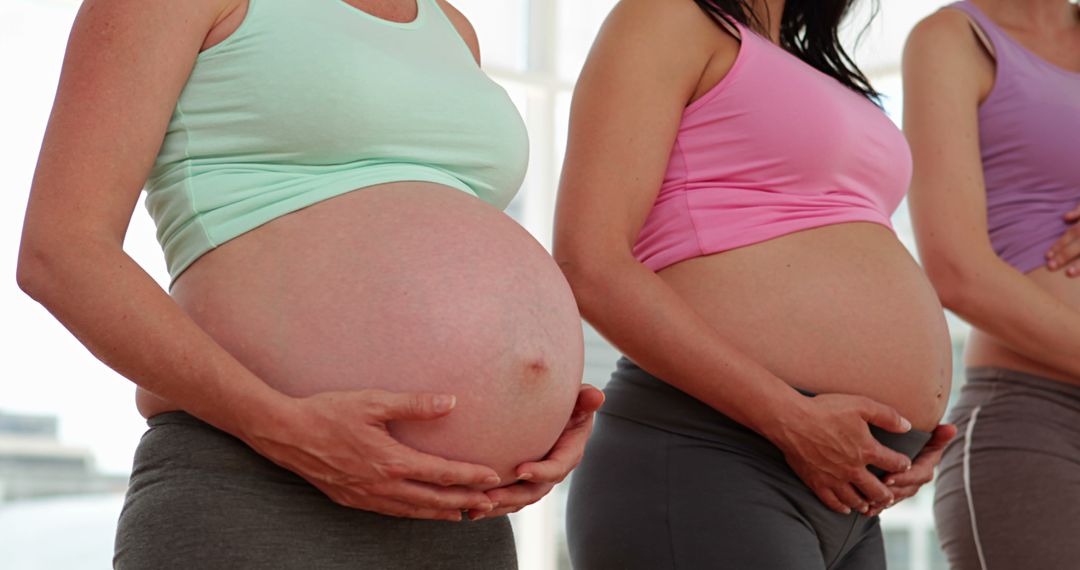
[(537, 479), (826, 442), (339, 442)]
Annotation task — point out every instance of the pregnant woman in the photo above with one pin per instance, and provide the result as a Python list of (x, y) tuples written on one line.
[(992, 108), (724, 221), (316, 339)]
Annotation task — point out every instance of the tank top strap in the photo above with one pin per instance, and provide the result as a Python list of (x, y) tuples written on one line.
[(1002, 47)]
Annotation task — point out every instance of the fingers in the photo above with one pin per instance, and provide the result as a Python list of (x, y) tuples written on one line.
[(942, 435), (513, 498), (589, 399), (567, 451), (851, 498), (922, 470), (872, 488), (1064, 250), (1073, 216), (388, 406), (829, 498), (884, 417), (435, 497), (886, 459), (564, 456), (392, 507), (920, 474), (412, 464)]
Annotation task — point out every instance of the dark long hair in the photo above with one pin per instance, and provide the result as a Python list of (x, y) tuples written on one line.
[(809, 29)]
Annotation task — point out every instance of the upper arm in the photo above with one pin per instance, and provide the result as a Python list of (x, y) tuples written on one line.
[(125, 65), (643, 69), (945, 77), (464, 28)]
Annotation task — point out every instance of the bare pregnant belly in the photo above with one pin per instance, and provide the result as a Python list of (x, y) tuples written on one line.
[(407, 287), (838, 309), (984, 349)]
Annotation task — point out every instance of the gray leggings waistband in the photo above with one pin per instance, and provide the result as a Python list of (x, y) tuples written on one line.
[(200, 498), (636, 395)]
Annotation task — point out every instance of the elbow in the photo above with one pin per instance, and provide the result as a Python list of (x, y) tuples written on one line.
[(31, 270), (586, 270), (575, 268), (36, 272), (952, 283)]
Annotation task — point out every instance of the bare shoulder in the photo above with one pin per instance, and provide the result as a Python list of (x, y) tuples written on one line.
[(943, 50), (464, 27), (218, 9), (665, 18), (675, 31), (946, 29)]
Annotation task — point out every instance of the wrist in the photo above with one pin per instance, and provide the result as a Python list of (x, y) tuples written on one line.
[(265, 418), (781, 411)]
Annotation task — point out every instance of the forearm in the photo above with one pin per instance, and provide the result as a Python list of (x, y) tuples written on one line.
[(645, 319), (1004, 303), (126, 320)]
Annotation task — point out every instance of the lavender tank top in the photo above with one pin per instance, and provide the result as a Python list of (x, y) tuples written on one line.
[(1029, 137)]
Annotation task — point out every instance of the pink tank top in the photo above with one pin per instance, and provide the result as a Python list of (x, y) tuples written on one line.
[(776, 147), (1029, 135)]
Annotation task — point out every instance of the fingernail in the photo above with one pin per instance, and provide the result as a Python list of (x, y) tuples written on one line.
[(1053, 264), (847, 511), (905, 424), (493, 480), (485, 507), (890, 482), (525, 476), (864, 508), (445, 403), (495, 505), (891, 502), (475, 518)]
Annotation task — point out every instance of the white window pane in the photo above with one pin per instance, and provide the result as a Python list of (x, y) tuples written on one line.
[(578, 21), (502, 28)]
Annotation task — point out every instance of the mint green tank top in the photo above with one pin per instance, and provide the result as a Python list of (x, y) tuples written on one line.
[(310, 99)]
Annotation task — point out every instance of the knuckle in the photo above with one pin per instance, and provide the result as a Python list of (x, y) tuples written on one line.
[(393, 470), (854, 473)]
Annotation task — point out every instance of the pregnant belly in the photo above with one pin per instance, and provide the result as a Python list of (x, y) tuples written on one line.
[(984, 349), (407, 287), (838, 309)]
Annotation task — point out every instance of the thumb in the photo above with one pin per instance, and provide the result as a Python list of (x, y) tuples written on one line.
[(390, 406), (942, 435), (884, 417)]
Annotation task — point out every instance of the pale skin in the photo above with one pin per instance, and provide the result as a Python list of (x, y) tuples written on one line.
[(651, 60), (126, 64)]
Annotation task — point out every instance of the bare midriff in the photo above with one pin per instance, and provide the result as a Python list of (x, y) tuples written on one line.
[(406, 287), (836, 309), (984, 349)]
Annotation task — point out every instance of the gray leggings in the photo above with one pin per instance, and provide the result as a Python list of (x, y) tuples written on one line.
[(669, 483), (1008, 490), (200, 498)]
